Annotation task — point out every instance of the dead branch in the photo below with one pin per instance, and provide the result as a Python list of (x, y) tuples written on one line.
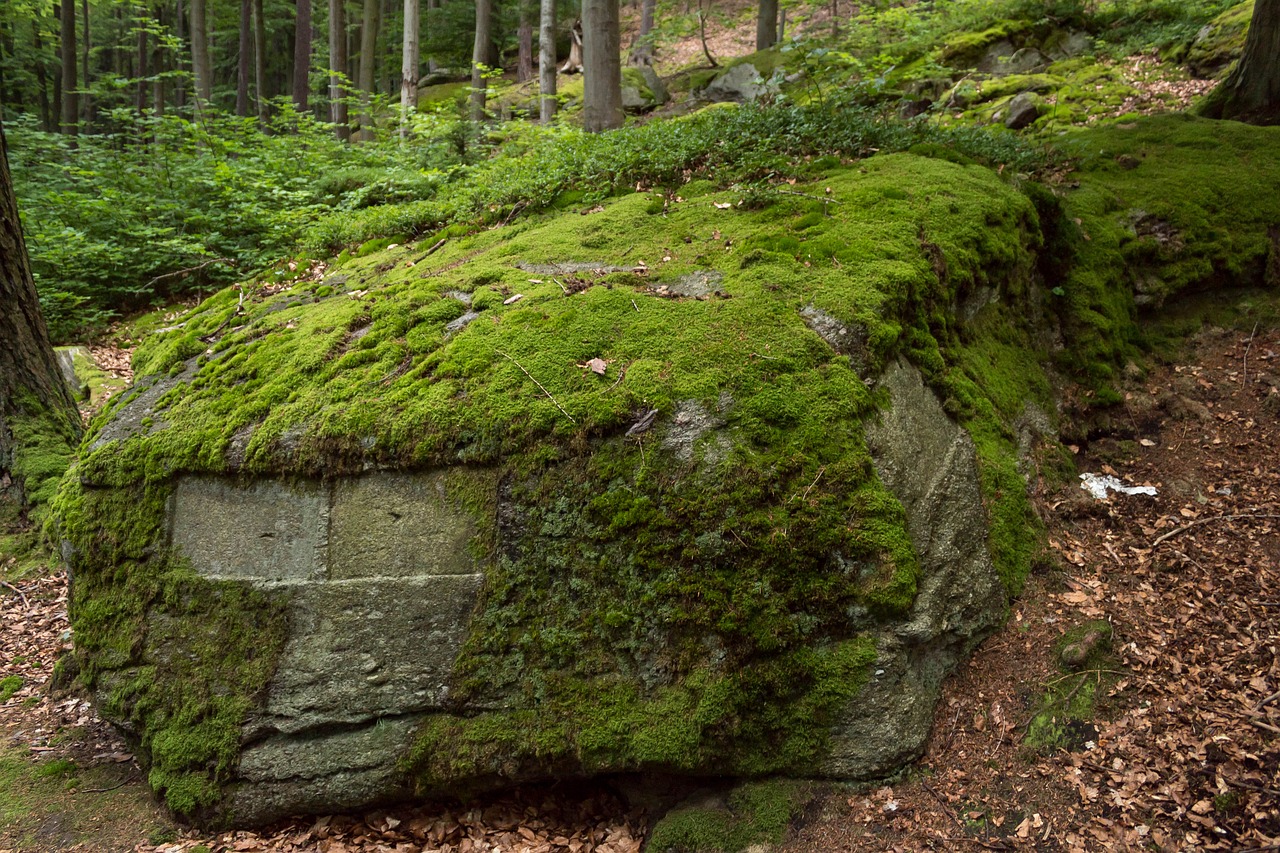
[(1199, 521), (190, 270), (20, 593)]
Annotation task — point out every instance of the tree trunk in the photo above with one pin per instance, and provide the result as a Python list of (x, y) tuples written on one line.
[(767, 25), (642, 47), (260, 63), (39, 425), (338, 69), (1251, 92), (141, 89), (86, 103), (70, 105), (702, 36), (200, 65), (547, 59), (179, 86), (42, 80), (157, 68), (480, 56), (524, 38), (243, 58), (302, 56), (409, 58), (601, 66), (368, 53)]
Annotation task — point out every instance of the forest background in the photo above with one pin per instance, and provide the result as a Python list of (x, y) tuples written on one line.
[(152, 164)]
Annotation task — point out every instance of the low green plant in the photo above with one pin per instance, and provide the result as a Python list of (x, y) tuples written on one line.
[(9, 685)]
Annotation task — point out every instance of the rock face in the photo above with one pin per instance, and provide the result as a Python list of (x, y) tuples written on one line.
[(723, 519)]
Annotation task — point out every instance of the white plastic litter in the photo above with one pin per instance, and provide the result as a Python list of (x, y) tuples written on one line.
[(1099, 484)]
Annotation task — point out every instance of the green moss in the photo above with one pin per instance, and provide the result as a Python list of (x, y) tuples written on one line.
[(182, 659), (1064, 715), (964, 49), (1220, 43), (757, 813), (9, 685), (694, 604), (1150, 223)]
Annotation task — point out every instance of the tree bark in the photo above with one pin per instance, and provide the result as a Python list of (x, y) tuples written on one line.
[(767, 25), (1251, 92), (244, 57), (42, 80), (338, 69), (302, 56), (201, 68), (409, 58), (524, 38), (368, 51), (642, 47), (179, 87), (547, 60), (39, 425), (601, 66), (70, 104), (480, 57), (86, 102), (260, 63), (141, 90)]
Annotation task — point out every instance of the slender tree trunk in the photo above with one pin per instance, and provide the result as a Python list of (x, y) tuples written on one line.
[(432, 6), (1251, 91), (767, 25), (642, 47), (42, 78), (70, 105), (368, 55), (86, 101), (141, 89), (243, 57), (480, 57), (158, 60), (835, 19), (782, 22), (38, 418), (547, 59), (200, 65), (524, 39), (409, 64), (702, 36), (337, 69), (302, 56), (260, 63), (179, 58), (601, 66)]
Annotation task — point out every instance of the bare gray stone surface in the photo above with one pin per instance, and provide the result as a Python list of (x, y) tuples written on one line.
[(930, 464)]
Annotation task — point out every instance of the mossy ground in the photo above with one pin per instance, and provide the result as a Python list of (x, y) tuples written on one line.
[(1066, 710), (758, 813), (48, 805)]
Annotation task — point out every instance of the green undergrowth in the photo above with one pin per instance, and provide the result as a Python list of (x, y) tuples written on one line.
[(574, 167), (701, 595), (758, 813), (178, 659)]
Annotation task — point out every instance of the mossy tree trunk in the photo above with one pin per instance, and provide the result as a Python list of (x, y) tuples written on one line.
[(1251, 92), (39, 424)]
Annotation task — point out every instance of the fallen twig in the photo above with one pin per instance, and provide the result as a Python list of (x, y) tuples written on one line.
[(1263, 725), (1273, 697), (1248, 787), (1199, 521), (1244, 372), (19, 592), (540, 385), (105, 790), (189, 270), (439, 244), (822, 199)]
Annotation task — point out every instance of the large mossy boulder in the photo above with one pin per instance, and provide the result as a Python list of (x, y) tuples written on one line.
[(706, 484)]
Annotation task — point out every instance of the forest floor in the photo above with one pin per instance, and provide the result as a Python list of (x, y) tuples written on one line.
[(1181, 749)]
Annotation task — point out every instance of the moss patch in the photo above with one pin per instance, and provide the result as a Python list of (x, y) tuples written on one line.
[(756, 813), (1065, 713)]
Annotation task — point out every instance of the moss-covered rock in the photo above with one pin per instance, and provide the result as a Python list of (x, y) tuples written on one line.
[(581, 494), (1219, 43)]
